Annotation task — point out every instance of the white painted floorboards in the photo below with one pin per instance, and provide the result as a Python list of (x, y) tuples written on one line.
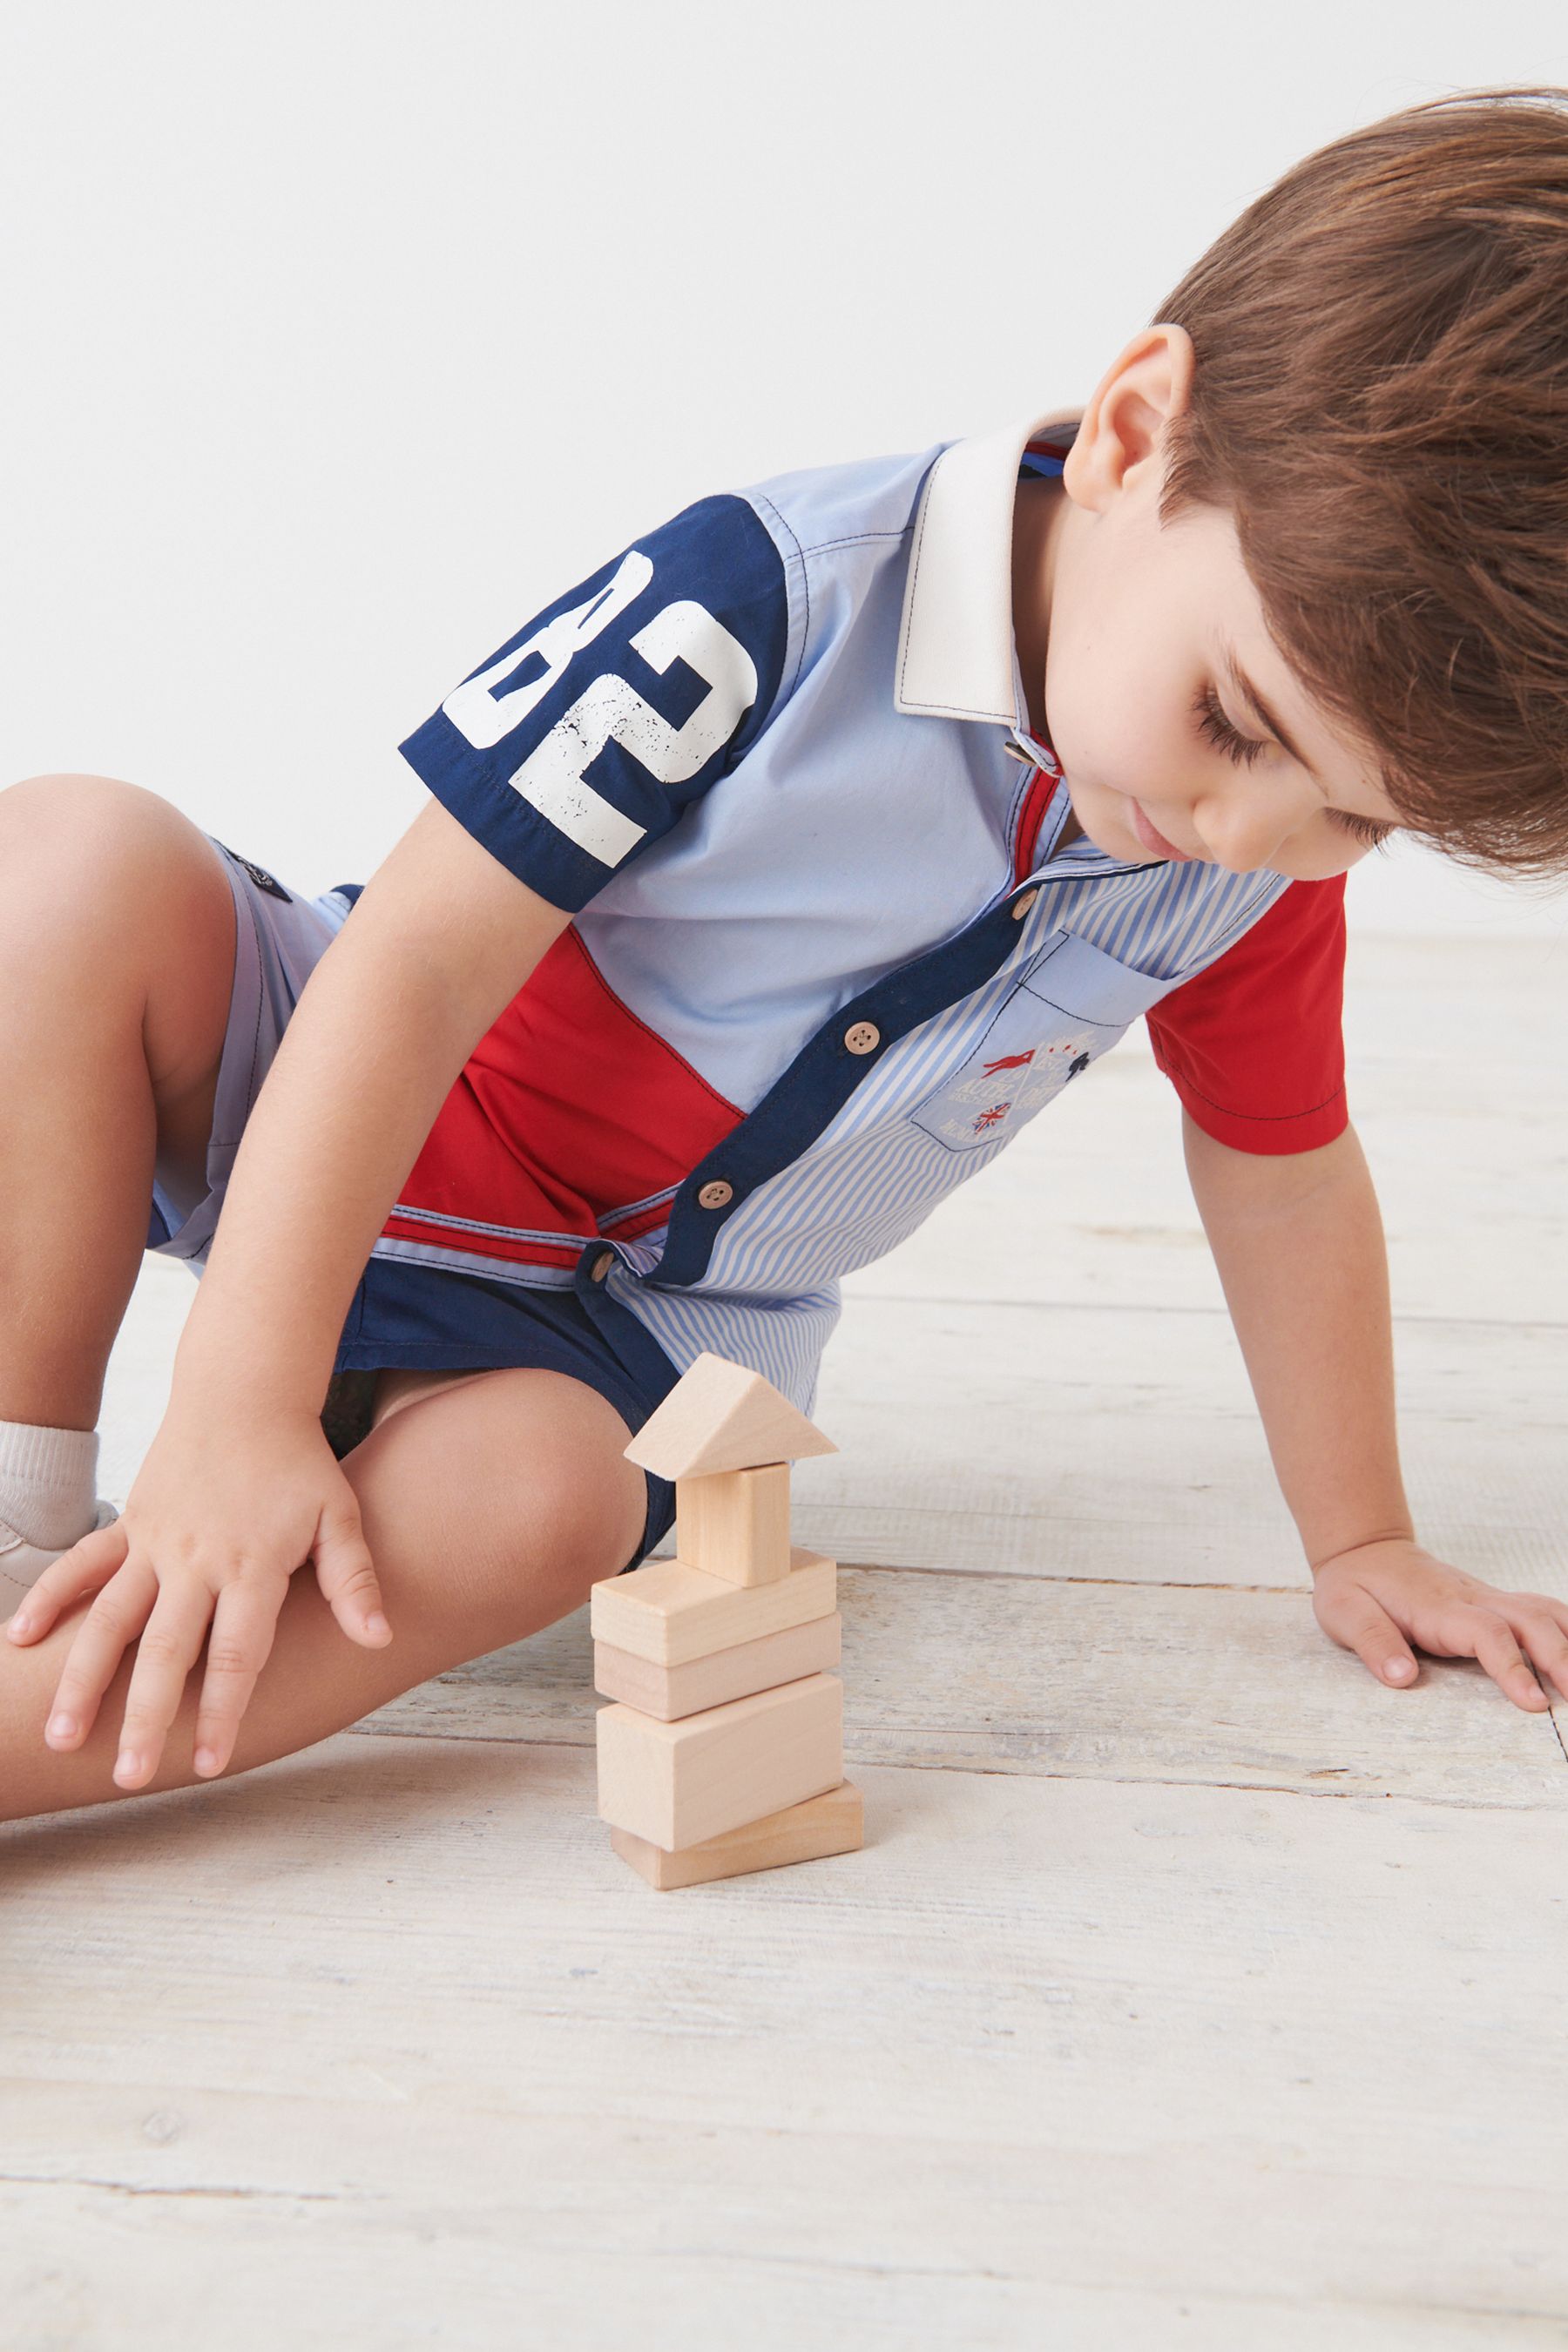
[(1191, 1990)]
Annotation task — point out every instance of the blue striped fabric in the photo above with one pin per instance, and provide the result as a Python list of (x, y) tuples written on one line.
[(769, 1295)]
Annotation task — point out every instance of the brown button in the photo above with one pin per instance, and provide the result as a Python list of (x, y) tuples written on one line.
[(717, 1195), (601, 1266), (1022, 906), (863, 1037)]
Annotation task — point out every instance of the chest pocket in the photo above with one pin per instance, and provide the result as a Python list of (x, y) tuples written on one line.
[(1072, 1004)]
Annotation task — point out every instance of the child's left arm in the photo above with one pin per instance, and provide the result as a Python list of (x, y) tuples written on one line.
[(1298, 1241)]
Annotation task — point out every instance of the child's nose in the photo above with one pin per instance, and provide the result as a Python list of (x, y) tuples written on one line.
[(1244, 830)]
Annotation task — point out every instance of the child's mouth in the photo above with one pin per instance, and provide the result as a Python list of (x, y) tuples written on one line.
[(1151, 838)]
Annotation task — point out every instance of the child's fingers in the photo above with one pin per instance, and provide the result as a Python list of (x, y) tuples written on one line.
[(1544, 1641), (87, 1567), (244, 1624), (1480, 1633), (346, 1574), (111, 1625), (170, 1645), (1360, 1624), (1542, 1627)]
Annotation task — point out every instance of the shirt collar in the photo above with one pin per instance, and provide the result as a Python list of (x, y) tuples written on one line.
[(956, 655)]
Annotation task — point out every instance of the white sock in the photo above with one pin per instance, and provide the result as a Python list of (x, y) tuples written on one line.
[(49, 1481)]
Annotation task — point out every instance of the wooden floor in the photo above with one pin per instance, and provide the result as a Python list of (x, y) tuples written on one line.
[(1191, 1990)]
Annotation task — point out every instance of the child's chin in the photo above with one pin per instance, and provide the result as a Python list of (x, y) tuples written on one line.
[(1112, 835)]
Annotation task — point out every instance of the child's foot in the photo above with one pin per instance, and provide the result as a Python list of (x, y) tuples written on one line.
[(22, 1563)]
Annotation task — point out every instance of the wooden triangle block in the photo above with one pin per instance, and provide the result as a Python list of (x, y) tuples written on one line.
[(720, 1416), (834, 1822)]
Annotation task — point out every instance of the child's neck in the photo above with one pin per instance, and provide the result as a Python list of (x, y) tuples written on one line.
[(1034, 512)]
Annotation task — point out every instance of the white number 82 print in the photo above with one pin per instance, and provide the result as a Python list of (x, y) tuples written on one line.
[(610, 710)]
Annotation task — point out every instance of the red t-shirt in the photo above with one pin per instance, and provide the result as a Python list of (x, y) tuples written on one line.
[(1253, 1045)]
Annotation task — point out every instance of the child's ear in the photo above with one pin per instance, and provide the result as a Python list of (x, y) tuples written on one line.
[(1124, 424)]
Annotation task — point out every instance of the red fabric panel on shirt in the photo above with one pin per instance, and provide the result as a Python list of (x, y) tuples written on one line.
[(1253, 1045), (1042, 791), (569, 1111)]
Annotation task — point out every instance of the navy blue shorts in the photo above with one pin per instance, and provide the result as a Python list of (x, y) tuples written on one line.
[(423, 1318), (405, 1315)]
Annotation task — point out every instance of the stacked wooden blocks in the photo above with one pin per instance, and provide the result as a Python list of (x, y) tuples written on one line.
[(723, 1750)]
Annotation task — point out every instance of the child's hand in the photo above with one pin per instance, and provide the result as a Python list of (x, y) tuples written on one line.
[(1381, 1597), (218, 1521)]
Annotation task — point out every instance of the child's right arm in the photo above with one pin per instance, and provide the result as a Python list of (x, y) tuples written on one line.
[(240, 1487), (440, 940)]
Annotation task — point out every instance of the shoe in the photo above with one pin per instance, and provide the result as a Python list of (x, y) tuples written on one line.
[(22, 1563)]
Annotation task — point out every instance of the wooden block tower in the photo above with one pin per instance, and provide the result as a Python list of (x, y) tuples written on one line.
[(723, 1750)]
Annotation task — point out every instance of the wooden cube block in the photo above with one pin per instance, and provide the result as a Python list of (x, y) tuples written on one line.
[(831, 1824), (669, 1613), (670, 1692), (678, 1783), (735, 1524)]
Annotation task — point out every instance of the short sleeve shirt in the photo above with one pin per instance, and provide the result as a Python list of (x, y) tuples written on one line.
[(1254, 1046), (827, 954)]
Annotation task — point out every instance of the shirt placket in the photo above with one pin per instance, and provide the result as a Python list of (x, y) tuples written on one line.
[(803, 1103)]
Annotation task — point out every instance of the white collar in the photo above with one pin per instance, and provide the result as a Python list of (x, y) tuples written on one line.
[(957, 658)]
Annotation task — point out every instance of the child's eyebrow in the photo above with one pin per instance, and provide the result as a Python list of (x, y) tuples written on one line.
[(1243, 689)]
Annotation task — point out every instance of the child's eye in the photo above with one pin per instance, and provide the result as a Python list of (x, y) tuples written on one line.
[(1214, 724), (1361, 828)]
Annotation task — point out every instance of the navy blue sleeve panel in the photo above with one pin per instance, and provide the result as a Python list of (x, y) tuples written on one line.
[(583, 740)]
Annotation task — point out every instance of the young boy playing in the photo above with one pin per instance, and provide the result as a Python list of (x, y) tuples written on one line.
[(772, 880)]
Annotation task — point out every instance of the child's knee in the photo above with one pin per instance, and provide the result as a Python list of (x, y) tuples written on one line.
[(503, 1498), (54, 818), (94, 857)]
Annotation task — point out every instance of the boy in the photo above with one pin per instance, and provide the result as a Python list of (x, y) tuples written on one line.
[(772, 880)]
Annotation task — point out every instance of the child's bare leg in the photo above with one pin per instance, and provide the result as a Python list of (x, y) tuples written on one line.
[(116, 965), (489, 1507)]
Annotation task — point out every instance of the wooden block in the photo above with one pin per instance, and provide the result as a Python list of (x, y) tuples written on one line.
[(669, 1613), (831, 1824), (670, 1692), (678, 1783), (720, 1416), (735, 1523)]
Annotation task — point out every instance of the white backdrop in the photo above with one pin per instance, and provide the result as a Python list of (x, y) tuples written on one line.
[(340, 336)]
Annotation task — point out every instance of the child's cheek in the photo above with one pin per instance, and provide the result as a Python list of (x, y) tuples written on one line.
[(1111, 745), (1320, 852)]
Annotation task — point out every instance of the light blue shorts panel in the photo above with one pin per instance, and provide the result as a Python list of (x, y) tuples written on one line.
[(280, 937)]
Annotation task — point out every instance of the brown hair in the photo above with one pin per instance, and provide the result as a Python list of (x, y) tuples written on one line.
[(1381, 400)]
